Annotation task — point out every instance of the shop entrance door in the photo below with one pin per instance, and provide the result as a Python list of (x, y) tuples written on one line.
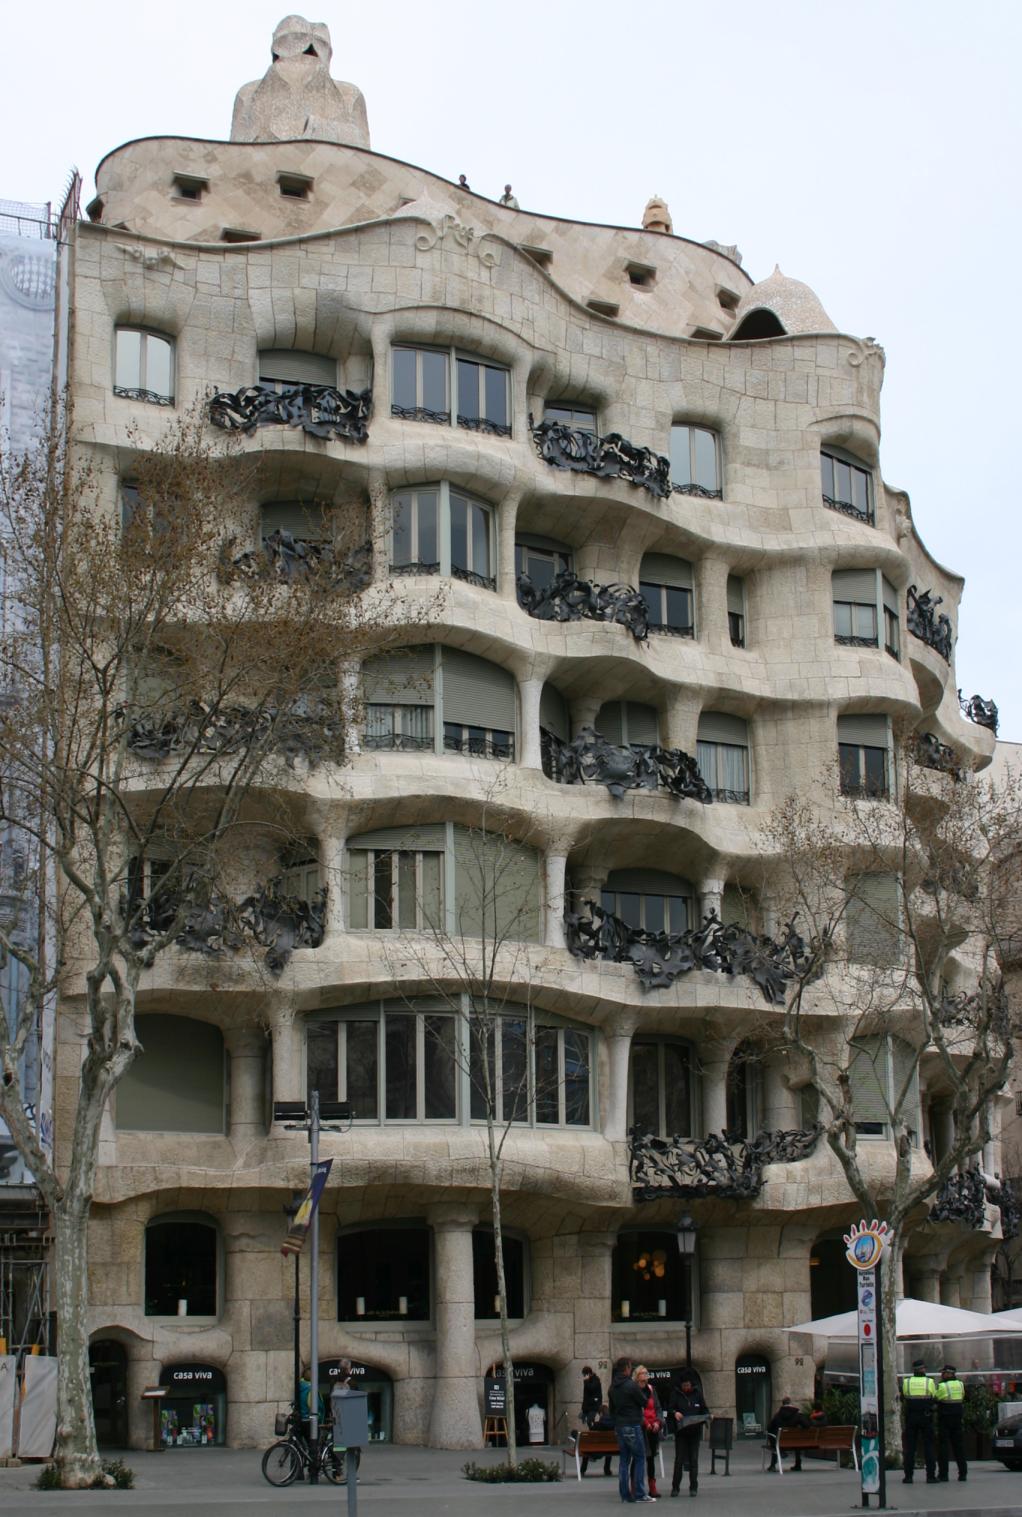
[(108, 1371), (752, 1394), (534, 1389)]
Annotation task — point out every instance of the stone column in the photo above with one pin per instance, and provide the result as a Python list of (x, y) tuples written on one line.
[(351, 704), (981, 1284), (248, 1052), (506, 516), (711, 896), (926, 1283), (331, 863), (618, 1038), (714, 1094), (583, 711), (454, 1421), (554, 869), (530, 692), (287, 1071), (592, 1306), (680, 720), (711, 604), (950, 1290)]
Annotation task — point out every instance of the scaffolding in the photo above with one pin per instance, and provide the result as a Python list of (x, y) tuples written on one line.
[(25, 1311), (20, 218)]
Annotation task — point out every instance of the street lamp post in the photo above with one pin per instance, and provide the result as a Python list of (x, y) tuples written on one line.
[(290, 1210), (687, 1230)]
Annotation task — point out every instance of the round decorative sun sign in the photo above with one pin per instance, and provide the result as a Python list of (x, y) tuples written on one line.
[(865, 1243)]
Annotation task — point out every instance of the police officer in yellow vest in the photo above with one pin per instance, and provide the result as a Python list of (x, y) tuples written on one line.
[(950, 1422), (919, 1396)]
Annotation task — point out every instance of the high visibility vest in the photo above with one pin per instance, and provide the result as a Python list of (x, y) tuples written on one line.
[(951, 1391), (918, 1388)]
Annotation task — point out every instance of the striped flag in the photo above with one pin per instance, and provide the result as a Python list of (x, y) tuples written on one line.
[(302, 1218)]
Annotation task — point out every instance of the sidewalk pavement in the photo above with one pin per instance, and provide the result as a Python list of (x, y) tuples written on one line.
[(415, 1482)]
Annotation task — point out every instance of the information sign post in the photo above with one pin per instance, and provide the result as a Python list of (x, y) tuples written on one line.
[(865, 1244)]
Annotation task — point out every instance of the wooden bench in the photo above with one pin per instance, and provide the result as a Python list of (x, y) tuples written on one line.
[(814, 1440), (597, 1443)]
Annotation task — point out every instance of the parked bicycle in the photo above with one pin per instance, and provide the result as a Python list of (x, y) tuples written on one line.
[(291, 1456)]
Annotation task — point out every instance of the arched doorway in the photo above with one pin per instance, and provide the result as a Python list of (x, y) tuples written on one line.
[(108, 1373), (534, 1388), (832, 1286), (379, 1390), (752, 1394)]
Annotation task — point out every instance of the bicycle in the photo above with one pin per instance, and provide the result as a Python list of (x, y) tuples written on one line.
[(291, 1456)]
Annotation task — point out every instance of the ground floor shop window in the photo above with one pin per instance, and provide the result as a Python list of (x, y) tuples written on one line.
[(379, 1393), (752, 1394), (650, 1279), (534, 1410), (108, 1375), (383, 1274), (484, 1269), (194, 1412), (181, 1266)]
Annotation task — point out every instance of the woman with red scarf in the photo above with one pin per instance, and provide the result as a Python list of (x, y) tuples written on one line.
[(652, 1423)]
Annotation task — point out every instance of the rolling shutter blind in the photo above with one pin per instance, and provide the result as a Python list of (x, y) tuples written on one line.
[(736, 907), (293, 367), (641, 724), (609, 723), (872, 919), (548, 544), (648, 882), (476, 692), (868, 1073), (553, 712), (870, 731), (430, 837), (665, 569), (716, 727), (497, 887), (906, 1067), (890, 597), (401, 678), (736, 594), (859, 585), (177, 1082), (309, 523)]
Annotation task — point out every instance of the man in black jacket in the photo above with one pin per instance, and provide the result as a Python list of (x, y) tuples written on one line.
[(686, 1403), (786, 1415), (592, 1395), (627, 1404)]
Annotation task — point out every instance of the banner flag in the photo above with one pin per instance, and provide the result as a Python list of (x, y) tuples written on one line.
[(302, 1218)]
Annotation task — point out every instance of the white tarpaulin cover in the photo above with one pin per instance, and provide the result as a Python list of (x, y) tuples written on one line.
[(38, 1425), (917, 1319), (8, 1390)]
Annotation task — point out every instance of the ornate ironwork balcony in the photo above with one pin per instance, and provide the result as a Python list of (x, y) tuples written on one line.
[(485, 425), (983, 713), (470, 577), (731, 797), (320, 410), (847, 641), (310, 730), (931, 753), (721, 1164), (570, 599), (590, 760), (847, 508), (288, 558), (610, 457), (150, 397), (211, 924), (962, 1198), (659, 958), (925, 622), (282, 923), (420, 413), (701, 492)]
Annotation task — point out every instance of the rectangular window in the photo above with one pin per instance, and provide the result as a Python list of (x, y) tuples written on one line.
[(421, 386), (542, 565), (390, 888), (437, 530), (478, 742), (669, 608), (538, 1073), (650, 912), (855, 624), (399, 729), (143, 366), (415, 542), (863, 756), (421, 389), (725, 768), (661, 1098), (470, 541), (567, 414), (736, 610), (695, 461), (873, 920), (414, 1051), (846, 485), (483, 397)]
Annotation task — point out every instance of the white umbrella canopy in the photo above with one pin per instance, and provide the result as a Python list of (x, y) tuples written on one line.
[(917, 1319)]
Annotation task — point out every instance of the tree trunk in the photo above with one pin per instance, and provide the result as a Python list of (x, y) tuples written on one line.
[(76, 1454), (891, 1267), (505, 1336)]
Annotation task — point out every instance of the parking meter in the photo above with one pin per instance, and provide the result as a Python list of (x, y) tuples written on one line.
[(350, 1412)]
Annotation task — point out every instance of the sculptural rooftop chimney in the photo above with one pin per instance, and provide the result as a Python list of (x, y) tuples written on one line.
[(296, 97)]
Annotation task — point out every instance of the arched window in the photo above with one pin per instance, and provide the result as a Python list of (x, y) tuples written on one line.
[(628, 723), (756, 325), (651, 1281), (722, 751), (383, 1273), (181, 1266), (665, 583), (864, 760), (695, 461), (847, 483), (484, 1272), (143, 366), (650, 899), (662, 1087), (177, 1082), (434, 699)]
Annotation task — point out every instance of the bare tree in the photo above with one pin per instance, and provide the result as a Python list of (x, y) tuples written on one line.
[(156, 687), (903, 905)]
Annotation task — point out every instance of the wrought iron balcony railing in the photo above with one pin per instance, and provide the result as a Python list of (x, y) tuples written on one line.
[(320, 410), (150, 397), (660, 958), (311, 730), (963, 1199), (931, 753), (210, 924), (570, 599), (290, 559), (721, 1164), (612, 457), (983, 713), (925, 622), (590, 760), (848, 508)]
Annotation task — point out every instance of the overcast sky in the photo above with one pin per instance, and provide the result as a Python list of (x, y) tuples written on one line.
[(872, 150)]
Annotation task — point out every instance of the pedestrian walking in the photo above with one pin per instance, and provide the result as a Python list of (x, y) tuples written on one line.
[(950, 1423), (690, 1414), (918, 1398), (627, 1404), (592, 1395), (652, 1424)]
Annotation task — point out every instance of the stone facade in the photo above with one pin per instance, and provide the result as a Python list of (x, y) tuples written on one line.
[(382, 253)]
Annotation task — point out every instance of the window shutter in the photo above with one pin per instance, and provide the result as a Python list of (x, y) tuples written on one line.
[(293, 367), (430, 837), (868, 1074), (477, 692), (736, 594), (736, 907), (641, 724), (553, 712), (549, 544), (497, 887), (873, 919), (890, 597), (905, 1066), (665, 569), (870, 731), (648, 882), (859, 585), (307, 522), (716, 727), (609, 722), (401, 678)]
